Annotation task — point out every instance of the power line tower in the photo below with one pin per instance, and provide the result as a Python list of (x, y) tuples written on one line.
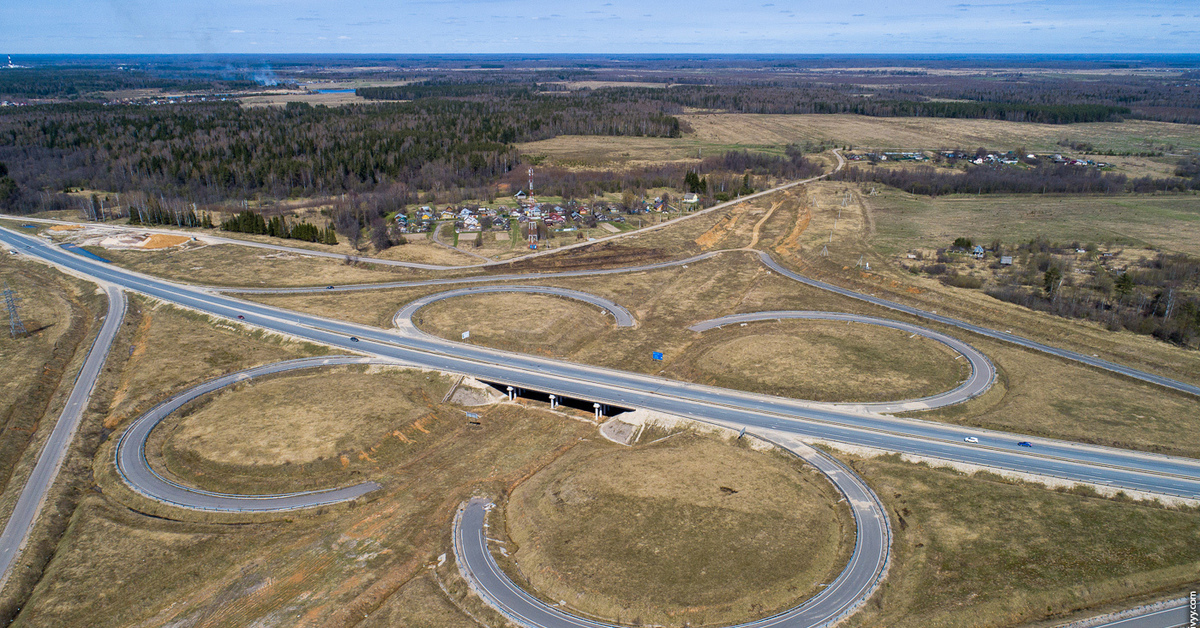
[(15, 326)]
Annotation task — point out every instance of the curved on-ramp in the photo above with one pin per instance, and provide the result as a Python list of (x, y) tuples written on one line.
[(137, 473), (853, 586), (403, 318), (983, 372), (1075, 356)]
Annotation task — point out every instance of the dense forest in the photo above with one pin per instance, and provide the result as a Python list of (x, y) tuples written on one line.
[(75, 81), (213, 151)]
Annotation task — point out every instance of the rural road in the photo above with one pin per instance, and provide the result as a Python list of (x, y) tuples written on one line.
[(420, 266), (403, 318), (854, 585), (137, 473), (983, 372), (33, 495), (1116, 468)]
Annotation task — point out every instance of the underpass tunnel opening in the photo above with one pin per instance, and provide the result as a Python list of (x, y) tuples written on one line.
[(599, 409)]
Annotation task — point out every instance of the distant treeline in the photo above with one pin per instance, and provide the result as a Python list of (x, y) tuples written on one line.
[(808, 98), (1061, 179), (208, 152), (59, 82), (444, 90)]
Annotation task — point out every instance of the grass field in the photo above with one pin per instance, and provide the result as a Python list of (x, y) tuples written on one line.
[(934, 133), (978, 552), (690, 531), (115, 566), (331, 567), (56, 311), (716, 133), (61, 314), (233, 265), (263, 437), (518, 322), (820, 361), (904, 221), (173, 349)]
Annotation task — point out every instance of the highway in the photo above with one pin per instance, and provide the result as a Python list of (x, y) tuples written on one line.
[(1129, 470), (983, 372), (854, 585), (1174, 617), (33, 495), (137, 473)]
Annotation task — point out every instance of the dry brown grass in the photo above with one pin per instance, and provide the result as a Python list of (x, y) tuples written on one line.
[(233, 265), (715, 133), (820, 360), (980, 552), (691, 531), (164, 241), (56, 311), (331, 567), (267, 422), (933, 133), (516, 321), (906, 221), (173, 349)]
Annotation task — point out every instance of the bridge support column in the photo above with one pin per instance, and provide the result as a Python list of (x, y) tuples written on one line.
[(598, 412), (512, 394), (553, 402)]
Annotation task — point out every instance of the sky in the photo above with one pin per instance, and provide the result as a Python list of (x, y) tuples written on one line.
[(604, 26)]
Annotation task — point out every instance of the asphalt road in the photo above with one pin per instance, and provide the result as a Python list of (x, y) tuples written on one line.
[(853, 586), (33, 495), (137, 473), (1165, 382), (1128, 470), (983, 372), (622, 315), (1166, 618)]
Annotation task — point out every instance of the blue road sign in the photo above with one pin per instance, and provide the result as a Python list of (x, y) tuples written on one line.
[(657, 355)]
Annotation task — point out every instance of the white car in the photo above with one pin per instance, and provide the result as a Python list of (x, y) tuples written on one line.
[(971, 439)]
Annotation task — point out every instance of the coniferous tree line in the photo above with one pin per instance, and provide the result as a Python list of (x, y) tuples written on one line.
[(248, 221)]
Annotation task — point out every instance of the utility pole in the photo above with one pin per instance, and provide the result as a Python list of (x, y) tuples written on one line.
[(15, 326)]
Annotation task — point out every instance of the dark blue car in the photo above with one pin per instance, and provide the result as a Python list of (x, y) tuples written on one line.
[(1025, 443)]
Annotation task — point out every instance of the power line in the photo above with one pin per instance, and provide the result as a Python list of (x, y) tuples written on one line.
[(15, 326)]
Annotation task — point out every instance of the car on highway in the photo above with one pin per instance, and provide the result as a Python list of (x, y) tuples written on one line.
[(971, 439), (329, 287), (241, 318), (1024, 443), (353, 338)]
